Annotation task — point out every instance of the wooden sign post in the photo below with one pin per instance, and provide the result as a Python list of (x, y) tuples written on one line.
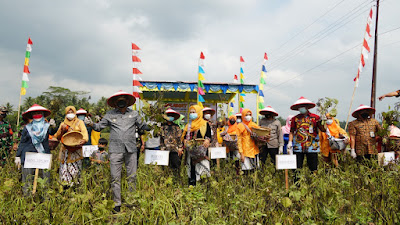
[(37, 161), (286, 162)]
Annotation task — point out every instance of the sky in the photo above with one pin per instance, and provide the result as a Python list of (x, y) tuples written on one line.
[(313, 46)]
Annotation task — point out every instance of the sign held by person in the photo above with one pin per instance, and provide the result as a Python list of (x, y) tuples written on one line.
[(286, 162), (156, 157), (87, 150), (217, 152), (37, 160), (384, 158)]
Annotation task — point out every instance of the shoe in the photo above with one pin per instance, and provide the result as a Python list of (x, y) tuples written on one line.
[(117, 209)]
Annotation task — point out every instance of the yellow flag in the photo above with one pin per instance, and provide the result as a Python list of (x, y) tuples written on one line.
[(260, 99), (200, 104), (26, 62), (241, 76), (201, 77), (23, 91), (241, 98), (261, 86), (263, 74)]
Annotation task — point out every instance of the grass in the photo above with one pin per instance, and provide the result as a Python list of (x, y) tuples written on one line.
[(351, 194)]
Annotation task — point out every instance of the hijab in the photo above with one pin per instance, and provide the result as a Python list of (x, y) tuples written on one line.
[(74, 120), (232, 127), (334, 128), (38, 132), (250, 124), (286, 128), (199, 123)]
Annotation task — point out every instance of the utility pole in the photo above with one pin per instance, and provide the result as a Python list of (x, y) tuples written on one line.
[(374, 68)]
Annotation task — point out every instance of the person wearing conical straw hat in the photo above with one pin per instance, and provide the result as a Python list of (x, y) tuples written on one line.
[(363, 133), (196, 137), (123, 122), (303, 137), (238, 118), (82, 115), (275, 142), (71, 157), (171, 140), (34, 138), (208, 113), (248, 149)]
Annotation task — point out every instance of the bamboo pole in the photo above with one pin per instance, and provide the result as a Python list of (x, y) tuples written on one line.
[(286, 180), (19, 112), (351, 103), (35, 181)]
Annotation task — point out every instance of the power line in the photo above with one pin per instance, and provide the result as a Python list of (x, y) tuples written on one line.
[(388, 31)]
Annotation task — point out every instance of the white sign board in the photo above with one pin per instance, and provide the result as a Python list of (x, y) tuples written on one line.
[(87, 150), (286, 162), (384, 158), (37, 160), (202, 169), (217, 152), (156, 157)]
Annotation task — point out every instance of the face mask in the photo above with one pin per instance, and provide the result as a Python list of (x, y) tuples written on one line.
[(81, 117), (238, 120), (268, 116), (329, 122), (247, 118), (170, 118), (207, 116), (303, 110), (101, 148), (365, 115), (232, 122), (121, 104), (37, 117), (193, 116), (70, 116)]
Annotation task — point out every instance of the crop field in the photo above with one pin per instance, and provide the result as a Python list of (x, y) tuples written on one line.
[(351, 194)]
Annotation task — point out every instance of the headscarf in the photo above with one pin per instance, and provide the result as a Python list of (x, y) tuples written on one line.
[(38, 131), (232, 127), (179, 122), (334, 128), (73, 121), (250, 124), (199, 123), (286, 128)]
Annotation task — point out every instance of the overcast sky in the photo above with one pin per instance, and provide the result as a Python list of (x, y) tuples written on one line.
[(85, 45)]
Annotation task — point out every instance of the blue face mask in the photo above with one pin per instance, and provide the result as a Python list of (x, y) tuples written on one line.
[(303, 110), (81, 117), (170, 118), (193, 116)]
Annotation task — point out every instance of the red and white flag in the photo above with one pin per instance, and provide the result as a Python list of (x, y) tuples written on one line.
[(365, 48), (136, 78)]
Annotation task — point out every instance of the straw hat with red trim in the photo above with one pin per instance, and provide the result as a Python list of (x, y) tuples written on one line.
[(238, 115), (35, 108), (207, 109), (173, 113), (267, 110), (130, 98), (302, 102), (81, 111), (362, 108)]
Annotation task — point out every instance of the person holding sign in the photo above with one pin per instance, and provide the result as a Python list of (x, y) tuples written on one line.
[(275, 142), (363, 132), (197, 137), (34, 138), (303, 137), (71, 157), (248, 149), (171, 140), (122, 149)]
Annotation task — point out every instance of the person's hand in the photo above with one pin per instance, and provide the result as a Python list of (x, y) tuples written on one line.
[(15, 146), (142, 148), (346, 140), (17, 161), (88, 121), (180, 152), (242, 157), (52, 122), (381, 97), (353, 153), (280, 151), (290, 148), (81, 142), (206, 143)]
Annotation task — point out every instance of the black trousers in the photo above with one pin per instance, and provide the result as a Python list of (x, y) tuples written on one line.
[(265, 151), (312, 160), (174, 160)]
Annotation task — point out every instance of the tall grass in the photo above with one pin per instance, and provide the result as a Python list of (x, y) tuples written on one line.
[(351, 194)]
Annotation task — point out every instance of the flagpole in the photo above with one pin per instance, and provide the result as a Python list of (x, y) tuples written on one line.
[(19, 111), (198, 78), (351, 103), (374, 69)]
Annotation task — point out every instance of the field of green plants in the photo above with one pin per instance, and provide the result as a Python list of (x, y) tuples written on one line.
[(351, 194)]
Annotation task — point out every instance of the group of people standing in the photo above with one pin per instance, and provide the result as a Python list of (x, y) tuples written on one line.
[(304, 135)]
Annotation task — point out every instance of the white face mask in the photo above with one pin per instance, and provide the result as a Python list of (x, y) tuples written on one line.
[(329, 122), (193, 116), (248, 118), (207, 116), (70, 116), (238, 120)]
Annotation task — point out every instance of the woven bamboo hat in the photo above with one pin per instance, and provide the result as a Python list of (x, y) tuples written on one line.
[(72, 138)]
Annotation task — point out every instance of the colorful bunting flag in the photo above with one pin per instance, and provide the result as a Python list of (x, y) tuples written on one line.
[(235, 79), (136, 78), (263, 77), (25, 78), (365, 47), (241, 99), (200, 78)]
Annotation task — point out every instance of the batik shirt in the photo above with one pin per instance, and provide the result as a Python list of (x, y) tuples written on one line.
[(171, 137), (305, 130), (365, 133)]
